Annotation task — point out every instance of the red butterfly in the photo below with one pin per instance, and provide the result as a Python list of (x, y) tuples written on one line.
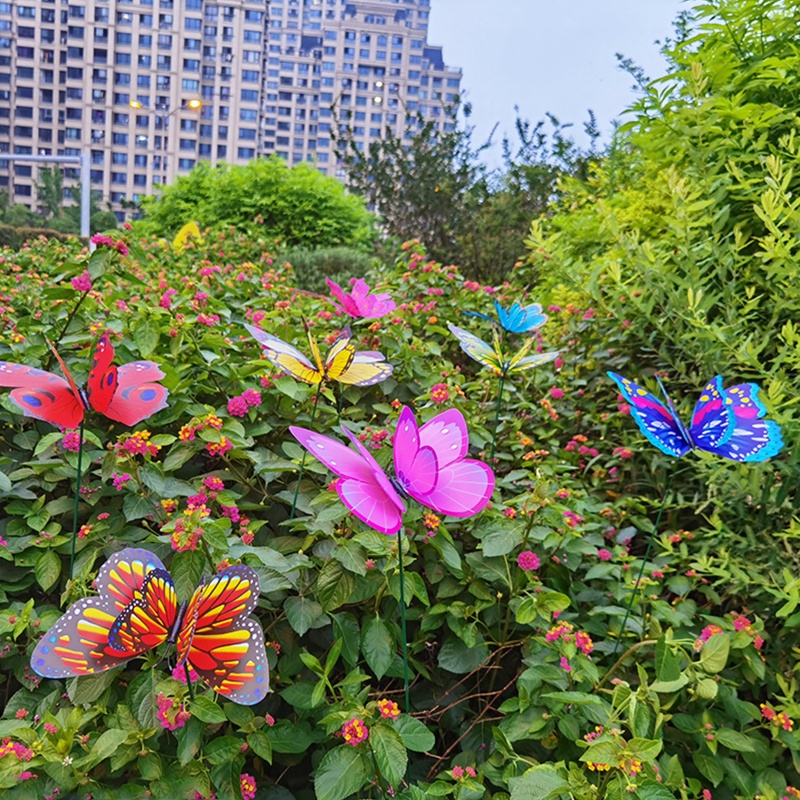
[(125, 394), (137, 609)]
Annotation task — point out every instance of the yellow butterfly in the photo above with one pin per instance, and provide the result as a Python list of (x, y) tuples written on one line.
[(492, 356), (342, 362), (190, 230)]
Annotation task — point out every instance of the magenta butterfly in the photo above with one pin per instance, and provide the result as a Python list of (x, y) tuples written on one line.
[(430, 465), (126, 394)]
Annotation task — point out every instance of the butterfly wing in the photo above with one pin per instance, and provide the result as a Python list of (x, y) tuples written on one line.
[(712, 418), (340, 356), (368, 367), (416, 467), (102, 381), (476, 348), (220, 640), (137, 396), (362, 486), (521, 361), (286, 358), (751, 437), (78, 643), (146, 622), (463, 485), (521, 319), (658, 423), (42, 395)]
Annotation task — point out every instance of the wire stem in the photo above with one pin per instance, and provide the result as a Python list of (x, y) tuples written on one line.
[(303, 459), (497, 414), (188, 680), (403, 619), (650, 540), (77, 500)]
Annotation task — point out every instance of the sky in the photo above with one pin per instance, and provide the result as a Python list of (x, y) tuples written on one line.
[(553, 56)]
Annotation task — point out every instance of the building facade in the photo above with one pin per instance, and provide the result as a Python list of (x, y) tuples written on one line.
[(151, 87)]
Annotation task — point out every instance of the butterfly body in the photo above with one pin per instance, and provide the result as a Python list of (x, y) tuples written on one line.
[(126, 394), (430, 466), (493, 356), (726, 422), (342, 363), (136, 610), (518, 318)]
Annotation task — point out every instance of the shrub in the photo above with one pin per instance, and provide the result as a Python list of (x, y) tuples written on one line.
[(337, 263)]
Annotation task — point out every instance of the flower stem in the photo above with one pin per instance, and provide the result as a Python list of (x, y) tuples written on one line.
[(403, 619), (77, 499), (303, 459), (497, 414)]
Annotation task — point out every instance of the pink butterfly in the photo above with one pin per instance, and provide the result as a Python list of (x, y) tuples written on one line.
[(360, 303), (429, 465)]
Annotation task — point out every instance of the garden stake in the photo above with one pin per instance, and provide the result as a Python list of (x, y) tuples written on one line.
[(77, 500), (188, 679), (403, 619), (303, 459), (644, 561), (497, 413)]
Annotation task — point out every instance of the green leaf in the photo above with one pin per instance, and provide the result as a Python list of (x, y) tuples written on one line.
[(389, 751), (302, 613), (548, 602), (539, 783), (715, 653), (222, 748), (226, 777), (502, 541), (104, 747), (146, 336), (136, 507), (668, 664), (709, 767), (187, 569), (334, 586), (89, 688), (190, 739), (47, 569), (414, 734), (645, 750), (601, 753), (342, 772), (261, 745), (377, 645), (206, 710), (456, 657), (345, 628), (734, 740), (142, 698)]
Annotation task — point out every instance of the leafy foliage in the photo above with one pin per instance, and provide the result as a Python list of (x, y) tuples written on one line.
[(297, 206)]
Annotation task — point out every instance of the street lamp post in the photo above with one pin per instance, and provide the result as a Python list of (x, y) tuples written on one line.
[(162, 120)]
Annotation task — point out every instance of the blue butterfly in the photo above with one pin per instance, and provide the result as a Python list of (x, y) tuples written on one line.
[(726, 422), (518, 319)]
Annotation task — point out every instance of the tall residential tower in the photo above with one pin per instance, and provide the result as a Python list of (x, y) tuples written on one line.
[(151, 87)]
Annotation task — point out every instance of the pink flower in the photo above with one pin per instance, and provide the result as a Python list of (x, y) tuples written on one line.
[(248, 784), (354, 732), (237, 406), (50, 728), (556, 393), (71, 442), (709, 631), (457, 773), (252, 397), (565, 665), (171, 714), (179, 674), (439, 393), (269, 720), (604, 555), (360, 303), (120, 247), (389, 709), (213, 484), (528, 561), (82, 282), (103, 515), (119, 481)]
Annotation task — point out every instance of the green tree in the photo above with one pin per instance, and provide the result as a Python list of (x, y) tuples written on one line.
[(299, 206), (423, 185), (50, 190)]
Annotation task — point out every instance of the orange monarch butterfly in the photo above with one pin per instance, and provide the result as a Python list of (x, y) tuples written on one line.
[(137, 609)]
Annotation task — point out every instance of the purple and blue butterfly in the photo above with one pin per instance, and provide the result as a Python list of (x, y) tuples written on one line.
[(726, 422)]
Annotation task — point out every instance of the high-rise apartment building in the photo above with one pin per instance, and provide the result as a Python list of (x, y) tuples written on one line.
[(151, 87)]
